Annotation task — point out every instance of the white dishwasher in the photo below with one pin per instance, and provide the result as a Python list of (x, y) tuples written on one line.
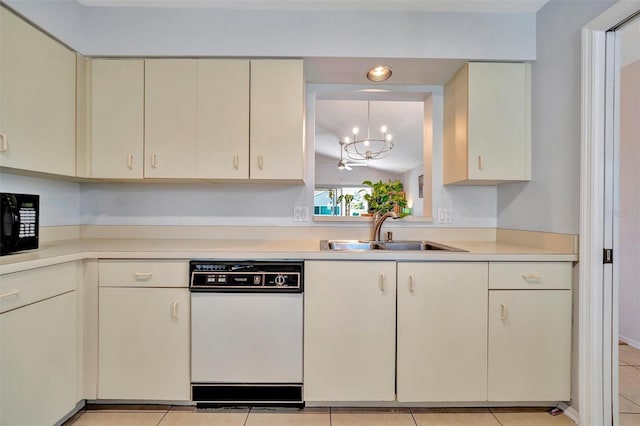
[(246, 332)]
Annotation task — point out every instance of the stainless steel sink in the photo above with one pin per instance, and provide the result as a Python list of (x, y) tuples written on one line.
[(359, 245)]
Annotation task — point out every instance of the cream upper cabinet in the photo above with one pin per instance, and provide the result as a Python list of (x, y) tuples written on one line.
[(170, 118), (487, 124), (442, 331), (114, 118), (277, 120), (529, 357), (349, 331), (223, 119), (37, 99)]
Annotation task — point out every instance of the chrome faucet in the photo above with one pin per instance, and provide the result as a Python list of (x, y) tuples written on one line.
[(377, 223)]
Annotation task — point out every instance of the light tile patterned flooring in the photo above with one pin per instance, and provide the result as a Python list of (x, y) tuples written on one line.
[(163, 415), (188, 416), (629, 385)]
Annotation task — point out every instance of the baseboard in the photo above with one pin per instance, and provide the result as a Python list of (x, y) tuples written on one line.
[(630, 342), (570, 412)]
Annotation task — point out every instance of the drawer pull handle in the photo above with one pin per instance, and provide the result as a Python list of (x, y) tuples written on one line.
[(480, 162), (236, 161), (174, 310), (143, 275), (411, 280), (260, 162), (381, 282), (11, 293), (532, 277), (130, 161), (503, 312), (3, 142), (154, 160)]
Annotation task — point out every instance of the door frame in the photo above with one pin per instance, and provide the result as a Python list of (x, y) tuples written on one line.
[(596, 304)]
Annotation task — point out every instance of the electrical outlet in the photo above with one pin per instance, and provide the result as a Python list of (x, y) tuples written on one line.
[(445, 216), (300, 214)]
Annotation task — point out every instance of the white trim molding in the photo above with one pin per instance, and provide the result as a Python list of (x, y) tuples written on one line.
[(594, 398)]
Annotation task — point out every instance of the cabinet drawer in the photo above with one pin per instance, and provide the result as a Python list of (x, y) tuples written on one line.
[(529, 275), (25, 287), (143, 273)]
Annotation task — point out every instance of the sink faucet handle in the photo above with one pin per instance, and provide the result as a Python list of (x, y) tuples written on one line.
[(389, 235)]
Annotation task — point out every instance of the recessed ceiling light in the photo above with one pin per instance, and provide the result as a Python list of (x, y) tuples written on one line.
[(379, 73)]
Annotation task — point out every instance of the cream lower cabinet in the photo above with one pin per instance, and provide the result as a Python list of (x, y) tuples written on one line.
[(37, 99), (143, 331), (349, 331), (39, 363), (442, 331), (529, 332)]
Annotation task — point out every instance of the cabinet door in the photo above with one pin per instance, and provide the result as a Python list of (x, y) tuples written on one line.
[(38, 362), (349, 331), (499, 127), (117, 118), (170, 118), (223, 119), (442, 332), (277, 120), (529, 345), (143, 344), (37, 99)]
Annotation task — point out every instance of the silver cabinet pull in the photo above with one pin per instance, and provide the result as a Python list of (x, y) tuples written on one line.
[(10, 293), (260, 162), (480, 162), (130, 161), (532, 277), (174, 310), (411, 280), (154, 160), (143, 276), (3, 142), (381, 282), (236, 161), (503, 312)]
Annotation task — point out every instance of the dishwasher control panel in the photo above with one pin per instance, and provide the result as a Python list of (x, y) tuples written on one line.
[(246, 276)]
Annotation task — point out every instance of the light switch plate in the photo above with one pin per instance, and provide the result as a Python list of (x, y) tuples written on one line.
[(300, 214), (445, 216)]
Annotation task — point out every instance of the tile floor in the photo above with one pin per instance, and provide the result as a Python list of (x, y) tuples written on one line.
[(164, 415), (189, 416), (629, 385)]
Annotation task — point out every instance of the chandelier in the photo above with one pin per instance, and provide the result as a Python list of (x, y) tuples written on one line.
[(367, 148)]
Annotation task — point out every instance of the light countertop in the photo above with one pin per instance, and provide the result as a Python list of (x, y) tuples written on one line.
[(70, 250)]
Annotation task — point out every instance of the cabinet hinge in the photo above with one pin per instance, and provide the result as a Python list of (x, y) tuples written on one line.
[(607, 256)]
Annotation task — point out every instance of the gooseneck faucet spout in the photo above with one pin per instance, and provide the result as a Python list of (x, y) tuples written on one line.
[(377, 223)]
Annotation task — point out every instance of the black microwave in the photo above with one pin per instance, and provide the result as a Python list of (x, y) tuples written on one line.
[(20, 222)]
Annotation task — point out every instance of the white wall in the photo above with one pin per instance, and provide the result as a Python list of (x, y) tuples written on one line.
[(149, 31), (59, 200), (551, 201), (297, 33), (628, 213)]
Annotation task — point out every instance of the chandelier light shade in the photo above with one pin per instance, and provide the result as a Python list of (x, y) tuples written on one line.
[(367, 148)]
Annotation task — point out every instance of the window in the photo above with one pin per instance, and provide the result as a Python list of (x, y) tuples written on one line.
[(340, 201)]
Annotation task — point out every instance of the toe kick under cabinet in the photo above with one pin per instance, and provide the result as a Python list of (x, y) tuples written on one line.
[(437, 331), (143, 331)]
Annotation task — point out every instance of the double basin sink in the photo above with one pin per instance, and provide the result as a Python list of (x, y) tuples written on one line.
[(358, 245)]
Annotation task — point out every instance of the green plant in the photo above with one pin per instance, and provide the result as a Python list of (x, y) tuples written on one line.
[(385, 196), (348, 198)]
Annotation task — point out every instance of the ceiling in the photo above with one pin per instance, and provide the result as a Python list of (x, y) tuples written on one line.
[(473, 6), (335, 119)]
